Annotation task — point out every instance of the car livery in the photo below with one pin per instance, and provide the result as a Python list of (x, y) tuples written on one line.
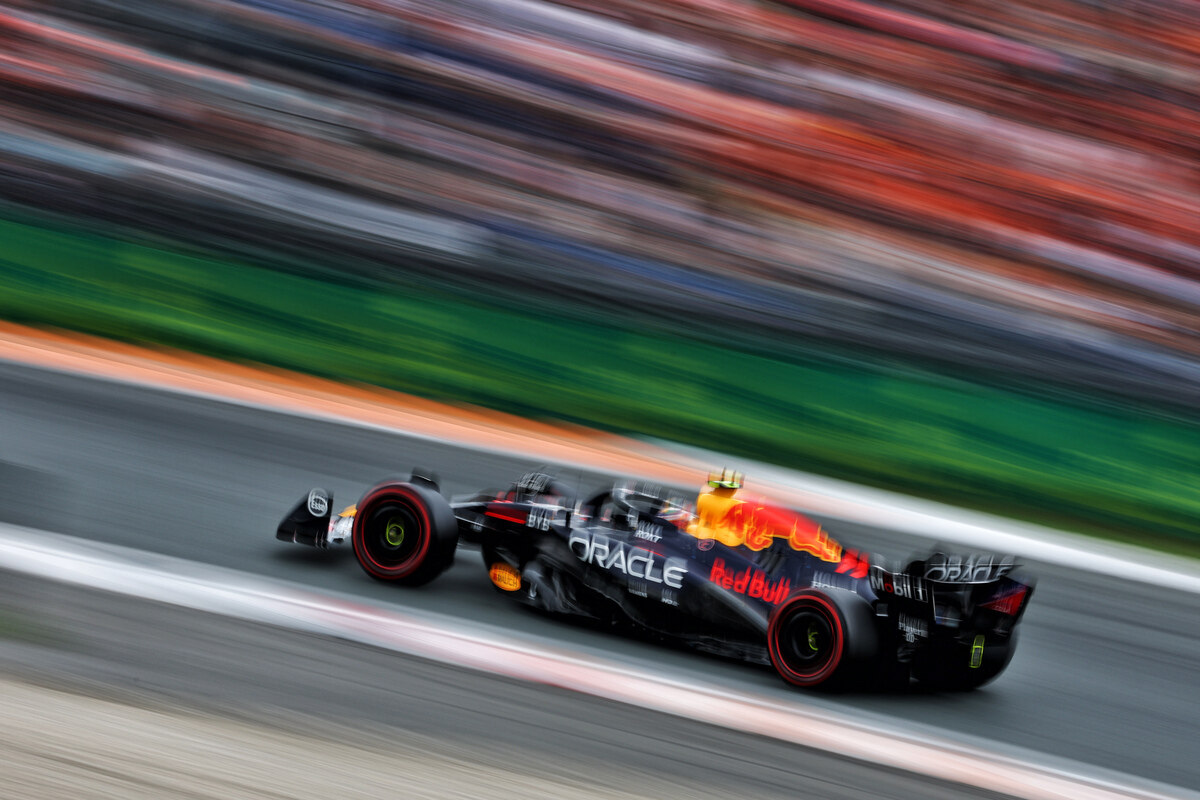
[(720, 572)]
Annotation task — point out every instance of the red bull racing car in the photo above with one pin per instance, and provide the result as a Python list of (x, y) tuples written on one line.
[(720, 572)]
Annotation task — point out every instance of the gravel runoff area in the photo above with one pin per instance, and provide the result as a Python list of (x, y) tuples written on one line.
[(56, 744)]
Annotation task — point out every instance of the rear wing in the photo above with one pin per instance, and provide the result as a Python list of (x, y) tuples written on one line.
[(958, 586)]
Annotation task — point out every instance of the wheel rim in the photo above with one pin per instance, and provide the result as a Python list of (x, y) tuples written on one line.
[(807, 641), (392, 535)]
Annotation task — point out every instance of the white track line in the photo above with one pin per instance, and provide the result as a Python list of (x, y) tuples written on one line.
[(486, 648)]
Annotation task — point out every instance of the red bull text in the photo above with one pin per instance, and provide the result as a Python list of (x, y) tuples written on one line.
[(750, 582)]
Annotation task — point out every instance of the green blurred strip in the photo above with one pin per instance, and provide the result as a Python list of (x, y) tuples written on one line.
[(1114, 471)]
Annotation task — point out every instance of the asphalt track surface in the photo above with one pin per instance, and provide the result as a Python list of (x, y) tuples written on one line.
[(1105, 675), (436, 727)]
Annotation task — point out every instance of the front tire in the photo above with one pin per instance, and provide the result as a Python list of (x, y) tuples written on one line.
[(404, 533)]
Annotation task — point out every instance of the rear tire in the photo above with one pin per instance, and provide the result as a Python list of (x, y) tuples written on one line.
[(404, 533), (818, 639)]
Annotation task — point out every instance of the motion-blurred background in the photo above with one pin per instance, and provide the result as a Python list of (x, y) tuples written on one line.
[(945, 248)]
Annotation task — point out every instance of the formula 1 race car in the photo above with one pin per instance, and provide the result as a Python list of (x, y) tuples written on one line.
[(719, 572)]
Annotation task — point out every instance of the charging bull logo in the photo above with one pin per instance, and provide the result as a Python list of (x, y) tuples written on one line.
[(737, 523)]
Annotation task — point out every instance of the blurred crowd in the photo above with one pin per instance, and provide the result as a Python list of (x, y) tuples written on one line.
[(1009, 187)]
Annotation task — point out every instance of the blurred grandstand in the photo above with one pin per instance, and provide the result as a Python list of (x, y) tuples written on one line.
[(1008, 188)]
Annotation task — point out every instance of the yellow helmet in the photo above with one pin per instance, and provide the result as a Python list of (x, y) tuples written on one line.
[(725, 479)]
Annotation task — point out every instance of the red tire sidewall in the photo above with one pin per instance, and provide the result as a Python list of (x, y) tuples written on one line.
[(366, 507), (837, 625)]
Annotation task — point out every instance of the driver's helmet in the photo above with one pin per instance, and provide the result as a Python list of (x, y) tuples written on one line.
[(726, 479)]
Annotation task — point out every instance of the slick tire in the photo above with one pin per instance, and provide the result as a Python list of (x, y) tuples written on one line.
[(964, 666), (404, 533), (820, 639)]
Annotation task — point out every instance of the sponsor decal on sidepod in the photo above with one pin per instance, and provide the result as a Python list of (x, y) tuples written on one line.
[(505, 577), (634, 562), (750, 582)]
